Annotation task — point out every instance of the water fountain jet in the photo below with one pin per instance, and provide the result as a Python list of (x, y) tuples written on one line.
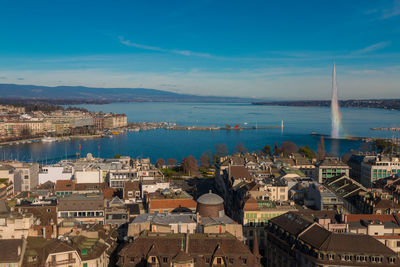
[(335, 111)]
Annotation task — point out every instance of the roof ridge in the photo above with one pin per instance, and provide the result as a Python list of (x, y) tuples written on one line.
[(307, 228), (327, 240)]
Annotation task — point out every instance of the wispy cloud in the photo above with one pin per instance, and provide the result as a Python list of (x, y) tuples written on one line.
[(385, 12), (372, 48), (125, 42), (392, 11)]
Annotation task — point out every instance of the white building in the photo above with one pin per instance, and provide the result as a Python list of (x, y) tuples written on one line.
[(55, 172), (377, 168), (88, 176), (153, 186)]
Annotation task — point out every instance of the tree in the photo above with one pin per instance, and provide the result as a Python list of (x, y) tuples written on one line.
[(321, 149), (205, 160), (345, 157), (221, 150), (277, 151), (160, 163), (116, 156), (240, 148), (385, 146), (289, 147), (307, 152), (267, 150), (171, 162), (189, 165)]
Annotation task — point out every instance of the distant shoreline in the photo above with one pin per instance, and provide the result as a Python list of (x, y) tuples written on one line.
[(391, 104)]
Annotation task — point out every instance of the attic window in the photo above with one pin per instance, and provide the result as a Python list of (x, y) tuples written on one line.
[(244, 261)]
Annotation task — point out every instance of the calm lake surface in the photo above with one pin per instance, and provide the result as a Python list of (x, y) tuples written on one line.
[(299, 123)]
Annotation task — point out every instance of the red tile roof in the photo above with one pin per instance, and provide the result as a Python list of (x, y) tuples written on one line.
[(64, 185), (170, 204), (239, 172), (379, 217)]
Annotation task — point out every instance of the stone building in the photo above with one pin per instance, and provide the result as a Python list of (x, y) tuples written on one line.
[(294, 241), (186, 250)]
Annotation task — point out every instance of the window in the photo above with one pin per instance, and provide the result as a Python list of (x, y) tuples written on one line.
[(207, 260), (244, 261), (348, 257), (132, 259), (84, 252), (153, 259), (331, 257), (392, 260), (85, 265), (219, 261), (165, 259)]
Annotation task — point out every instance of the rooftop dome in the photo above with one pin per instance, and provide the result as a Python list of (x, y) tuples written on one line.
[(210, 199)]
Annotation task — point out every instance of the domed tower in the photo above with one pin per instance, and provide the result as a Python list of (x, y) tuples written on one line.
[(210, 205)]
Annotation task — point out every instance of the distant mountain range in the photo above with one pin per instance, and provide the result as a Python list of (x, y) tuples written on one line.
[(81, 94)]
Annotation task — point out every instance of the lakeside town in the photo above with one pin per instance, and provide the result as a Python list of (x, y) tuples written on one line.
[(277, 207), (49, 123)]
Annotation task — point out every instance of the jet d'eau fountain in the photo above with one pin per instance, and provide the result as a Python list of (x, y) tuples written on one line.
[(335, 112)]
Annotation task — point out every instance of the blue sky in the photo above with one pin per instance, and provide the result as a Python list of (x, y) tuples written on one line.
[(267, 49)]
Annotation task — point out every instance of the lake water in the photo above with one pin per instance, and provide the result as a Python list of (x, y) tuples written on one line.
[(299, 123)]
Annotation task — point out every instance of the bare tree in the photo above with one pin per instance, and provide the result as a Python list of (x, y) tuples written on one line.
[(321, 149), (240, 148), (160, 163), (267, 150), (171, 162), (221, 150), (277, 151), (289, 147), (205, 160), (189, 165)]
